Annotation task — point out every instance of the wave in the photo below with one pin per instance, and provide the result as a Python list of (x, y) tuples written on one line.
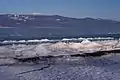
[(8, 52), (58, 47), (58, 40)]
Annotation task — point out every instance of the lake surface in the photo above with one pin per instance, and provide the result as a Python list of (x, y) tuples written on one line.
[(27, 43)]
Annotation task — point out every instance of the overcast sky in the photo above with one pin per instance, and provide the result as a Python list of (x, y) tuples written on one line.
[(108, 9)]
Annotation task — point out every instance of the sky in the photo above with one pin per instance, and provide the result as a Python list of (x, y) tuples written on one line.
[(107, 9)]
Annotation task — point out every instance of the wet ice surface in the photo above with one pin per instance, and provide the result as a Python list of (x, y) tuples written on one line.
[(77, 68), (66, 68)]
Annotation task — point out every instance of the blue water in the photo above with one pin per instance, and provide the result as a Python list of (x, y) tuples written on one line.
[(34, 33)]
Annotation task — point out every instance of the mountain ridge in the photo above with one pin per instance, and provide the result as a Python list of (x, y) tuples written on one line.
[(12, 25), (19, 20)]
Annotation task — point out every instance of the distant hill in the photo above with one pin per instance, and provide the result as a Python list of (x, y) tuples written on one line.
[(54, 25)]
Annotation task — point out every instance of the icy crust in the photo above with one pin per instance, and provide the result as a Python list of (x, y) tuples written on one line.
[(58, 48)]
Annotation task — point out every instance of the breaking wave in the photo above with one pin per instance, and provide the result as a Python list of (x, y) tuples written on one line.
[(57, 40), (46, 47), (58, 47)]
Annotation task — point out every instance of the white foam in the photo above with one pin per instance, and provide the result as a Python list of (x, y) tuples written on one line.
[(21, 41), (69, 39), (47, 40), (85, 41), (44, 40), (58, 48), (25, 41), (10, 41), (55, 49), (65, 39), (33, 40), (101, 38), (84, 46)]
